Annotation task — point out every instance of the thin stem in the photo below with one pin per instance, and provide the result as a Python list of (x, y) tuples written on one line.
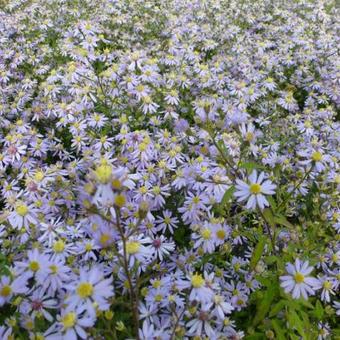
[(133, 294)]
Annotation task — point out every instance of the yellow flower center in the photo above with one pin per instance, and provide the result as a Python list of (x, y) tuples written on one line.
[(69, 320), (103, 173), (88, 246), (132, 247), (255, 188), (5, 291), (104, 238), (59, 246), (116, 184), (34, 266), (249, 136), (206, 233), (85, 289), (299, 278), (22, 210), (158, 298), (317, 156), (327, 285), (197, 280), (196, 200), (120, 200), (53, 268), (220, 234), (156, 284), (39, 176)]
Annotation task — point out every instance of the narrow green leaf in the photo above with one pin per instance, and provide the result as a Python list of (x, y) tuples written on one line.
[(269, 217), (318, 311), (279, 330), (227, 195), (251, 166), (296, 323), (277, 308), (264, 304), (257, 253), (279, 219)]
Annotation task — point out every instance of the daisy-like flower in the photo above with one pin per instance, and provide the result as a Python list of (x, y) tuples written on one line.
[(327, 284), (201, 324), (161, 247), (298, 282), (255, 190), (137, 249), (8, 288), (199, 289), (35, 266), (90, 288), (22, 215), (70, 324)]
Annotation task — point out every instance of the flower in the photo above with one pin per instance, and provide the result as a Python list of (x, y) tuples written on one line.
[(22, 215), (255, 190), (88, 289), (298, 282), (8, 288), (70, 324)]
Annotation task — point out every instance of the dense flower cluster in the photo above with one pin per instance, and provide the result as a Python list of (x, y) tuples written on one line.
[(169, 169)]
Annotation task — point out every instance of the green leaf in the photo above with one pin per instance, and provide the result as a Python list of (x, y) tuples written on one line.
[(279, 219), (277, 308), (295, 322), (227, 195), (251, 166), (257, 253), (318, 311), (279, 330), (264, 304), (269, 217), (272, 202)]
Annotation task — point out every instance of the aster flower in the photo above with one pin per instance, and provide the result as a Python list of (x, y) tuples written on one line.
[(71, 324), (91, 287), (22, 215), (255, 190), (298, 282), (8, 288)]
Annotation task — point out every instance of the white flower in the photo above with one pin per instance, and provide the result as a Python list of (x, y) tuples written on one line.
[(36, 266), (22, 215), (91, 288), (70, 325), (254, 191), (8, 288), (298, 282)]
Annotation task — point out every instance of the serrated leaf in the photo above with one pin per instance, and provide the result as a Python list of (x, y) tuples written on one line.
[(257, 253)]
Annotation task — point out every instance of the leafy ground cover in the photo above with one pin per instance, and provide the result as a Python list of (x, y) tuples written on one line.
[(169, 169)]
